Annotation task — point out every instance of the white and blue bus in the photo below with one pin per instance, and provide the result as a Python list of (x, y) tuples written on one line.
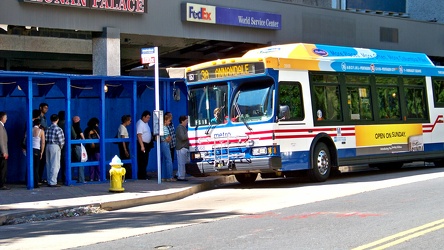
[(309, 107)]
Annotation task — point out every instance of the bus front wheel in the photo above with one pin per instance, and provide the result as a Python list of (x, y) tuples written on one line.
[(321, 163), (246, 178)]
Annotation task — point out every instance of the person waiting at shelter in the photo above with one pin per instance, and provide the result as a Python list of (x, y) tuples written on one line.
[(43, 107), (93, 149), (76, 150), (38, 148), (55, 140), (35, 115), (165, 139), (61, 124), (173, 136), (182, 147), (4, 155), (124, 150), (144, 145)]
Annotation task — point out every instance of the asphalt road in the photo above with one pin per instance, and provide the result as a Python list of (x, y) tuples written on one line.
[(357, 210)]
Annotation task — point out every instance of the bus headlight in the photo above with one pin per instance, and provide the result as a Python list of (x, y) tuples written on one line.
[(196, 156), (259, 151)]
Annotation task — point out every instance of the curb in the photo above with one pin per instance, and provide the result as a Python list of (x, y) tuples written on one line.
[(122, 204), (116, 205)]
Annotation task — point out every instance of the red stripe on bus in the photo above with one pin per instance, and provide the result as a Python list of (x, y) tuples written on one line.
[(428, 128), (312, 132)]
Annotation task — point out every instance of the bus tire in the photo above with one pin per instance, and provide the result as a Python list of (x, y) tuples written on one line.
[(246, 178), (321, 163)]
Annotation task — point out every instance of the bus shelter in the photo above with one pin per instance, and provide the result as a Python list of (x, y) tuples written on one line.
[(104, 97)]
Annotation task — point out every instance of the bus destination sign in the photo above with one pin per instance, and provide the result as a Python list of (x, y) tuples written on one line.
[(225, 71)]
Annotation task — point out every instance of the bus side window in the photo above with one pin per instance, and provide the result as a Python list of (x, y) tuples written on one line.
[(359, 102), (438, 91), (415, 98), (291, 107), (387, 91), (327, 103)]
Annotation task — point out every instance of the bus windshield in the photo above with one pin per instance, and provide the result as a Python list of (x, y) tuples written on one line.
[(253, 101), (207, 104)]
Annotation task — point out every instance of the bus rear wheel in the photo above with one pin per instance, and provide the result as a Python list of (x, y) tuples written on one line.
[(246, 178), (321, 163)]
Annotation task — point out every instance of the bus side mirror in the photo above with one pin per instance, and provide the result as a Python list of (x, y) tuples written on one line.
[(284, 112)]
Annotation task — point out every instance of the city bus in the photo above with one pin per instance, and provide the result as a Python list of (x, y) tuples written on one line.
[(280, 110)]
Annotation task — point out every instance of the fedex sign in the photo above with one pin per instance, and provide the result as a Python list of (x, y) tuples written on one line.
[(202, 14), (199, 13)]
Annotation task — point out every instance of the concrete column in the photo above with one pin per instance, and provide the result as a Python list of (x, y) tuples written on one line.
[(106, 52)]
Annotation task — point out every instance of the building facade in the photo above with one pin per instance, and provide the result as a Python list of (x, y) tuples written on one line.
[(106, 37)]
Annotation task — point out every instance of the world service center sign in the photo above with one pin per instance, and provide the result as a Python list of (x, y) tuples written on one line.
[(192, 12)]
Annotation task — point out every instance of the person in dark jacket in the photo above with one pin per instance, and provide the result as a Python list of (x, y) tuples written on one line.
[(4, 155), (93, 149)]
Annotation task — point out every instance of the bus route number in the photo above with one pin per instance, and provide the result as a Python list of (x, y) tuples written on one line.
[(205, 75)]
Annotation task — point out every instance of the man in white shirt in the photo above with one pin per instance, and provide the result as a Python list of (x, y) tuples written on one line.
[(144, 144)]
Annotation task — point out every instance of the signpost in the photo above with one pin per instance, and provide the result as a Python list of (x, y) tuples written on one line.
[(150, 56)]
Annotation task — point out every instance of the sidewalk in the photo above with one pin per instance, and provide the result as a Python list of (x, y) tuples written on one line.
[(20, 201)]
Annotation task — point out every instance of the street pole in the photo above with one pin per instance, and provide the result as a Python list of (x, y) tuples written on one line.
[(156, 90)]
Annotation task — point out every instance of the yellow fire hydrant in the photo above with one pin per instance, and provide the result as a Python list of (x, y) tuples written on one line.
[(117, 175)]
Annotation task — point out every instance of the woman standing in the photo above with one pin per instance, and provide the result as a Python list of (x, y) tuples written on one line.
[(124, 152), (167, 163), (38, 147), (93, 149)]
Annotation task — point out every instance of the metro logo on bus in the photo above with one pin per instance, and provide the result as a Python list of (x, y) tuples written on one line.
[(200, 13)]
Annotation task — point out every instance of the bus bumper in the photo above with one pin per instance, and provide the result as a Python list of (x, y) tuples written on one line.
[(265, 165)]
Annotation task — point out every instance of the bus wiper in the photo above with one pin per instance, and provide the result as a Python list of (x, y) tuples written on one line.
[(246, 125), (241, 116), (208, 129)]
